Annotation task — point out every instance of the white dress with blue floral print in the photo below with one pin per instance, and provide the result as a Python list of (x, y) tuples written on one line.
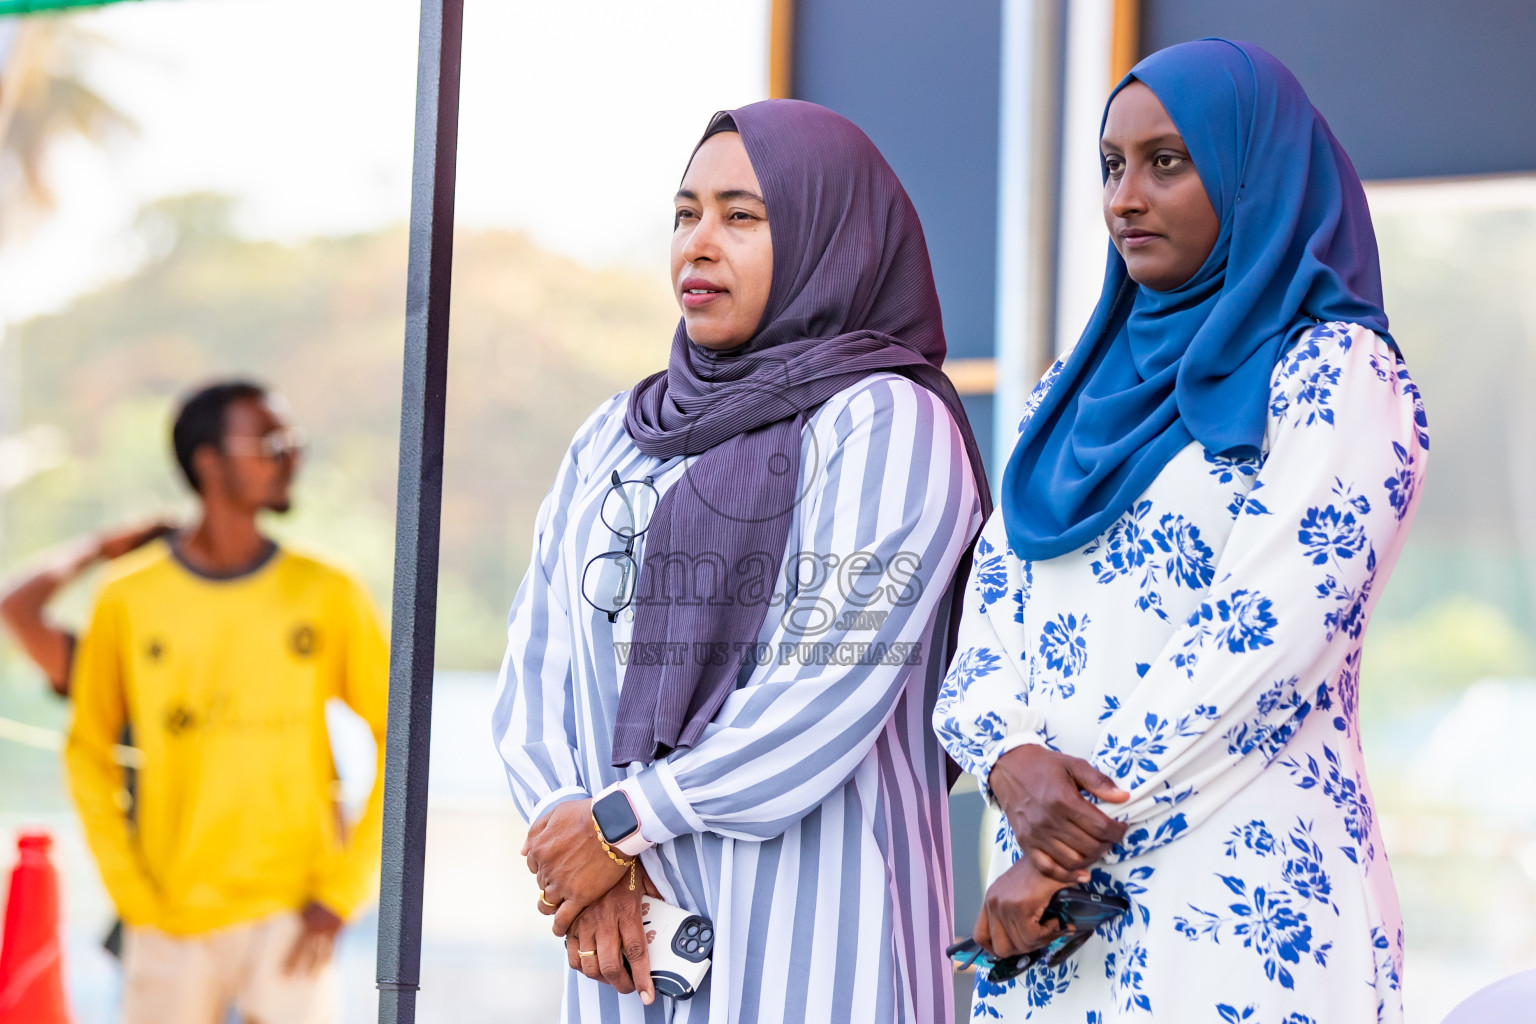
[(1205, 653)]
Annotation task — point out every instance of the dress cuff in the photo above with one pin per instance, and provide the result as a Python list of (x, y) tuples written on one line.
[(1028, 729), (659, 803), (554, 799)]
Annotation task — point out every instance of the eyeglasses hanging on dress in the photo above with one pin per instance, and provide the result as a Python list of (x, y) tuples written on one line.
[(609, 580)]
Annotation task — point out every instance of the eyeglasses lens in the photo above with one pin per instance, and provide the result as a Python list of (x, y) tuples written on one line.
[(283, 444), (1008, 968), (628, 507), (609, 581)]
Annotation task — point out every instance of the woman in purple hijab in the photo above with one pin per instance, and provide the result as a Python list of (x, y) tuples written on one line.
[(722, 661)]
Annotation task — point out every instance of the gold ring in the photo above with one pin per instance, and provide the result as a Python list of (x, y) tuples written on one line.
[(582, 952), (545, 901)]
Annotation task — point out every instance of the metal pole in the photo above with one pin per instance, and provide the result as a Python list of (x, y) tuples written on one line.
[(1081, 239), (419, 510), (1029, 115)]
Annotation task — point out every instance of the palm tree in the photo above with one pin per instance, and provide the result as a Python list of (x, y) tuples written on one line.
[(45, 98)]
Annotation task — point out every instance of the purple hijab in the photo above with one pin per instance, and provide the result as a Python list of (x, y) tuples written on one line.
[(852, 295)]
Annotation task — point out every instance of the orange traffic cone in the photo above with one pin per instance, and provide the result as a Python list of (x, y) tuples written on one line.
[(31, 960)]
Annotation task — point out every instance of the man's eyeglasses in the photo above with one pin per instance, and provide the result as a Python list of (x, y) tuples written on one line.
[(272, 446), (608, 582)]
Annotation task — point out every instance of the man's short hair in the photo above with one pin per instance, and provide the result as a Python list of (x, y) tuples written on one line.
[(200, 420)]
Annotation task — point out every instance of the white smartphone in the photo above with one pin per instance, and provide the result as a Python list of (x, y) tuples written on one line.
[(680, 943)]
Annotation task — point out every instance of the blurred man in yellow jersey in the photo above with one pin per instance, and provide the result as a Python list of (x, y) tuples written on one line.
[(219, 649)]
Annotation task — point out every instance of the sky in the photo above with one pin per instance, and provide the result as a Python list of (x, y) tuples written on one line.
[(576, 119)]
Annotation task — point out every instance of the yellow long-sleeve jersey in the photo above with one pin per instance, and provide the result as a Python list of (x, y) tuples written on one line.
[(224, 683)]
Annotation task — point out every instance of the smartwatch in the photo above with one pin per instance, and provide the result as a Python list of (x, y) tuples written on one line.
[(616, 820)]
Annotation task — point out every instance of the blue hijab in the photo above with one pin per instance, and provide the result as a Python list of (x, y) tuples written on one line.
[(1155, 370)]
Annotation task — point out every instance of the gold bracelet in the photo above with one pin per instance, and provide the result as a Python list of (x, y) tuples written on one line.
[(608, 849), (630, 863)]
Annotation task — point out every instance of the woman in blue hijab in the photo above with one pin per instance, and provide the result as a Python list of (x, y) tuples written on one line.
[(1157, 675)]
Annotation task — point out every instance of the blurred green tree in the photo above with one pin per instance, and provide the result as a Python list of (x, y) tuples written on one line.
[(538, 341)]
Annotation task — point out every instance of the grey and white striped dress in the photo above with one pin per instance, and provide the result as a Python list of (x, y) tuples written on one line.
[(810, 822)]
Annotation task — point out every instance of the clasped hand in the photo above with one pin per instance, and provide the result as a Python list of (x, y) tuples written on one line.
[(1059, 834), (590, 895), (567, 856), (611, 934)]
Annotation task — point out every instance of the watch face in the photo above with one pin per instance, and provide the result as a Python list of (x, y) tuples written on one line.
[(615, 817)]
